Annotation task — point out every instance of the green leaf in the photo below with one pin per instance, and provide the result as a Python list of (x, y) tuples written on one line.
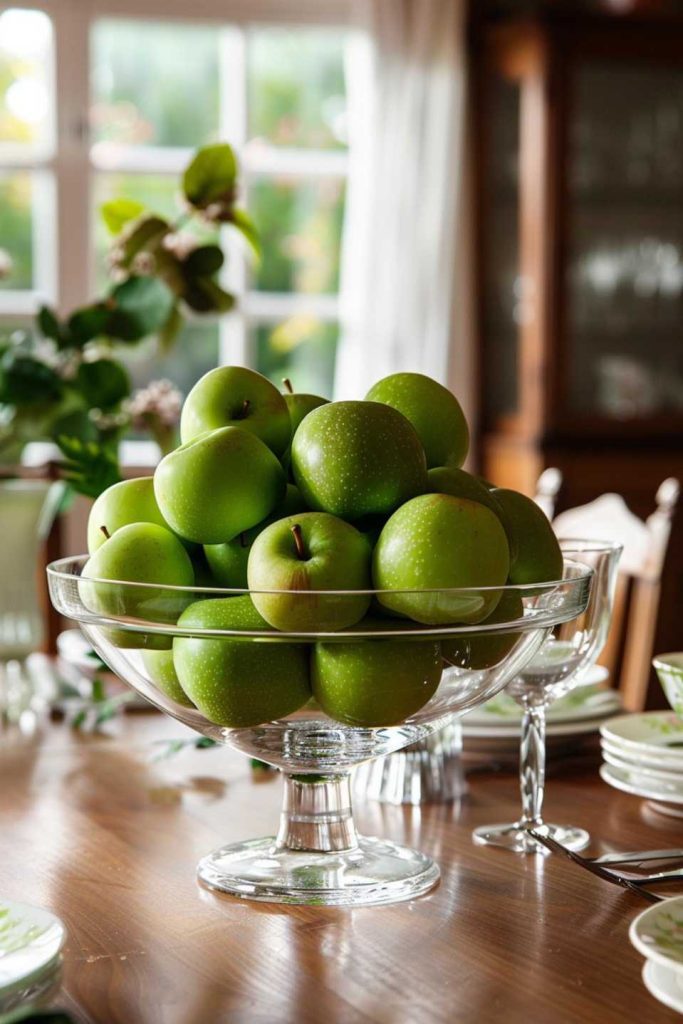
[(145, 235), (88, 323), (25, 380), (118, 212), (103, 383), (139, 307), (247, 228), (169, 332), (204, 261), (76, 424), (89, 467), (205, 296), (211, 175), (49, 324)]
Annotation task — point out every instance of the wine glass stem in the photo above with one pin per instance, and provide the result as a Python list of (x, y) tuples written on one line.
[(316, 814), (532, 766)]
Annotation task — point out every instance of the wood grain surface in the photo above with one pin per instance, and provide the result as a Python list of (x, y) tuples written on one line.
[(97, 831)]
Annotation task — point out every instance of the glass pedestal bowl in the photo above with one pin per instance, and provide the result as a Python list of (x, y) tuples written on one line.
[(383, 680)]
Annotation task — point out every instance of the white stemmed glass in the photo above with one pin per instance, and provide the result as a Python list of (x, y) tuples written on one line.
[(557, 668)]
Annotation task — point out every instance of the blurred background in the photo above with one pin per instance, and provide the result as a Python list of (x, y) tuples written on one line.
[(491, 193)]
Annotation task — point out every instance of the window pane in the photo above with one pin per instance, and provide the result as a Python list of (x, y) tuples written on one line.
[(300, 225), (195, 352), (25, 51), (154, 84), (302, 348), (296, 90), (16, 229)]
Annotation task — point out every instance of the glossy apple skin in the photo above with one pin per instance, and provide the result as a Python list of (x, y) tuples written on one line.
[(300, 404), (535, 555), (228, 562), (459, 484), (440, 542), (482, 652), (161, 670), (138, 553), (218, 400), (355, 459), (242, 682), (218, 485), (375, 682), (434, 412), (129, 501), (337, 557)]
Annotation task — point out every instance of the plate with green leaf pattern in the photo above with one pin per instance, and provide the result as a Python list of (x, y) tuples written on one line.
[(657, 933), (30, 939)]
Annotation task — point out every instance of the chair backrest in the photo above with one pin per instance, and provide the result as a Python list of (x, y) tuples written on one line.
[(547, 489), (27, 510), (629, 647)]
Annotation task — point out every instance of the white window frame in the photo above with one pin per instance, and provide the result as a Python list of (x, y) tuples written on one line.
[(66, 280)]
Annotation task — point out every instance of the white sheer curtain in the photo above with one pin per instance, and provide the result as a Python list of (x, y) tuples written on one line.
[(405, 260)]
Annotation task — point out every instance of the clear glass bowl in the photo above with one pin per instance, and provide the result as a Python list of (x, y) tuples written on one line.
[(386, 677)]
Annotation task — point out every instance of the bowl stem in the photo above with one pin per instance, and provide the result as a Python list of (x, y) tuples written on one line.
[(316, 814)]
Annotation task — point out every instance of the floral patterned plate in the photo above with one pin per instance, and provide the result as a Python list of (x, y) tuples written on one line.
[(635, 783), (658, 733), (657, 933), (30, 939), (664, 984)]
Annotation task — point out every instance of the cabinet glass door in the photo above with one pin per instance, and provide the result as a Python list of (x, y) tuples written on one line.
[(625, 220)]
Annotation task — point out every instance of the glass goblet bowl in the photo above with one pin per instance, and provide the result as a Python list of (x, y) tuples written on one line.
[(312, 699)]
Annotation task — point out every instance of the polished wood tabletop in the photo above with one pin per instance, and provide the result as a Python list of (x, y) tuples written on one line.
[(96, 829)]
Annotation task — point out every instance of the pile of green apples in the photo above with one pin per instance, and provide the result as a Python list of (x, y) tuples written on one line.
[(308, 507)]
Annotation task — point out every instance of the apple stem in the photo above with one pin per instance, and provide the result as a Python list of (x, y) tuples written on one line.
[(288, 385), (244, 410), (105, 531), (298, 542)]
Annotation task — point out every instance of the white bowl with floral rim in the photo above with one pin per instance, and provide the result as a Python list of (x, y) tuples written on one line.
[(669, 668)]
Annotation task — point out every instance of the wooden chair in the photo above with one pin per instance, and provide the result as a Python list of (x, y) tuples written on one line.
[(629, 647)]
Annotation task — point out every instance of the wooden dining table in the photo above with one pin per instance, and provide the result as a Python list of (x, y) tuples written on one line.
[(106, 832)]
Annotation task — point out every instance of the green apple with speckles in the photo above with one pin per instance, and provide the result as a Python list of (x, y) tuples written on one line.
[(459, 484), (233, 396), (129, 501), (313, 551), (218, 485), (535, 555), (486, 649), (375, 682), (356, 459), (435, 543), (434, 412), (228, 562), (239, 683), (299, 405), (139, 553), (161, 670)]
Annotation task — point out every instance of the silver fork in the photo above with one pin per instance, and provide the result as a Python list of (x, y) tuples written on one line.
[(634, 884)]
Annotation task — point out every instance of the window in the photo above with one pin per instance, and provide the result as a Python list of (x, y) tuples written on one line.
[(133, 96)]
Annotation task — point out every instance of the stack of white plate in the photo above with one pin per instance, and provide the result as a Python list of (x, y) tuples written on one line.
[(494, 727), (643, 755), (657, 933)]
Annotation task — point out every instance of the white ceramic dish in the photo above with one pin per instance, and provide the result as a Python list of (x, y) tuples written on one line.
[(658, 733), (30, 939), (661, 982), (657, 933), (658, 763), (637, 768), (504, 711), (631, 782), (579, 728)]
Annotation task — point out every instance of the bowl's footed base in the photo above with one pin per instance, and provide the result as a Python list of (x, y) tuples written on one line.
[(374, 872), (517, 839)]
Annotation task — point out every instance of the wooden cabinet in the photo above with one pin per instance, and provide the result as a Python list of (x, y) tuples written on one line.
[(579, 150)]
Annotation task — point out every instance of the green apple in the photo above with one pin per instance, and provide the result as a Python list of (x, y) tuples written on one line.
[(354, 459), (310, 552), (485, 650), (228, 562), (459, 484), (211, 489), (535, 555), (235, 396), (139, 553), (161, 670), (300, 404), (436, 542), (433, 411), (244, 682), (130, 501), (375, 682)]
